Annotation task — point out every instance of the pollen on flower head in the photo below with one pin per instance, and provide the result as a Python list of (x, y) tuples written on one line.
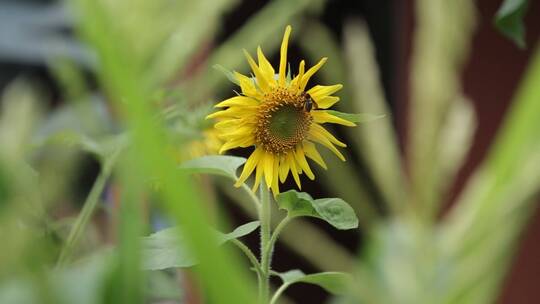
[(282, 122)]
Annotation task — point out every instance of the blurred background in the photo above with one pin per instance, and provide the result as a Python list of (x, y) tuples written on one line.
[(36, 35)]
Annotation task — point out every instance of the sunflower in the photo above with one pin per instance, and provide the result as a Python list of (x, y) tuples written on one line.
[(208, 144), (280, 118)]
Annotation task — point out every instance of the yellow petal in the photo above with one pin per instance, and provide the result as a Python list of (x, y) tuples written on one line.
[(275, 177), (318, 128), (311, 152), (228, 123), (237, 143), (217, 114), (296, 81), (311, 71), (233, 112), (247, 85), (314, 136), (249, 166), (301, 159), (283, 169), (326, 102), (261, 80), (324, 117), (242, 132), (237, 101), (268, 168), (265, 66), (258, 176), (294, 170), (283, 56), (318, 92)]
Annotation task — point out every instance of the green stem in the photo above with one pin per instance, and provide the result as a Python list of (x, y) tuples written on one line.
[(249, 254), (86, 213), (278, 293), (254, 199), (270, 246), (264, 218), (268, 251), (253, 259)]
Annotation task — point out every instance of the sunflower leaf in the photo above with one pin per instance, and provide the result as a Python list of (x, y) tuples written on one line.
[(229, 74), (214, 164), (334, 211), (358, 118), (333, 282), (509, 20), (167, 248)]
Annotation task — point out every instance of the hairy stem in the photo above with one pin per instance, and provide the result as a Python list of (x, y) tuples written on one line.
[(278, 293), (264, 218), (270, 246), (254, 199), (249, 254)]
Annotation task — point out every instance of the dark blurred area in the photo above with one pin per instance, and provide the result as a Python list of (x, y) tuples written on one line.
[(495, 67)]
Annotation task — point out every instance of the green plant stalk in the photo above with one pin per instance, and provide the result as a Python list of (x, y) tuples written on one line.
[(86, 213), (265, 219), (251, 257), (254, 199), (268, 251), (270, 246), (278, 293)]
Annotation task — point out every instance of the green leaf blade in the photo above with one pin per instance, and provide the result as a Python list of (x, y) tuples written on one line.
[(215, 164), (167, 248), (334, 282), (239, 232), (358, 117), (334, 211), (509, 20), (229, 74)]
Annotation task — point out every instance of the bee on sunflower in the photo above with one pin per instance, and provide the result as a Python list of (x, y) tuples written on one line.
[(281, 118)]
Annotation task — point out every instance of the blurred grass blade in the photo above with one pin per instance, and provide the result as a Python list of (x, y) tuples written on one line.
[(376, 141), (442, 37), (227, 73), (318, 41), (89, 207), (264, 28), (19, 115), (122, 73), (509, 20), (341, 179), (128, 281), (188, 35), (501, 193), (456, 139)]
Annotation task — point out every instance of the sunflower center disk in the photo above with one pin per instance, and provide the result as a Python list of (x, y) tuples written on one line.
[(282, 122)]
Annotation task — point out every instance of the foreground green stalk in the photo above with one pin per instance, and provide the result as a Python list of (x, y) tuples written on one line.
[(264, 218)]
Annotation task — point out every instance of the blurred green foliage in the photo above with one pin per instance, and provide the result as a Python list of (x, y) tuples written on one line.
[(509, 20), (151, 100)]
